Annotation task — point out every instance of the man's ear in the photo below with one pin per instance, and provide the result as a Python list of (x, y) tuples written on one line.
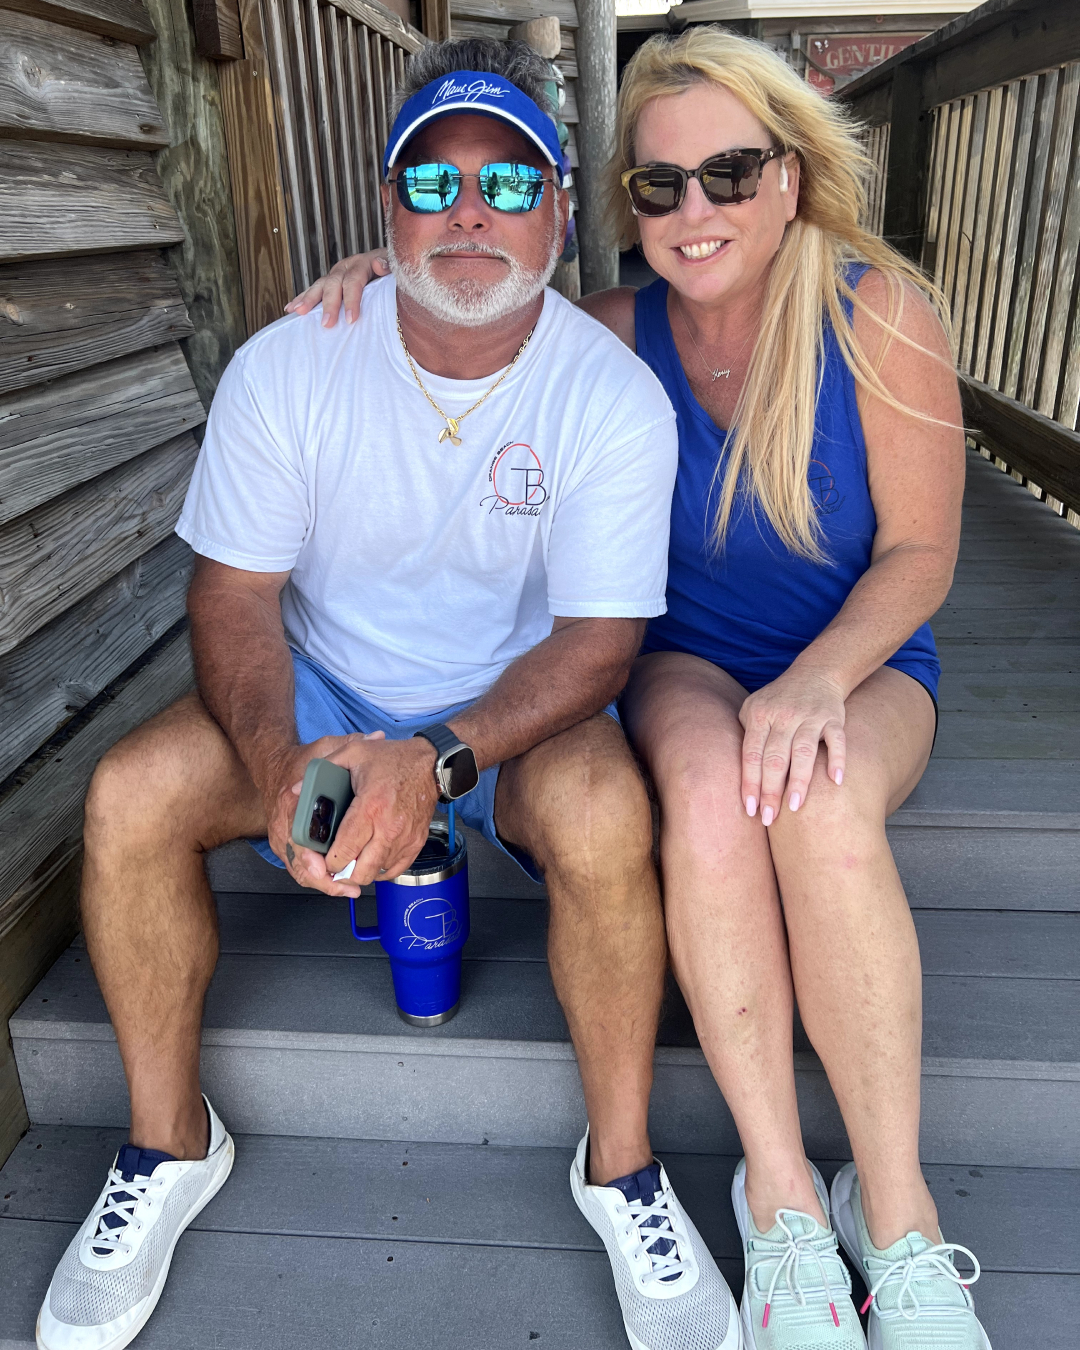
[(384, 193)]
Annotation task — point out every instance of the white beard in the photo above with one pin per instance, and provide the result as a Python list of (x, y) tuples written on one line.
[(465, 303)]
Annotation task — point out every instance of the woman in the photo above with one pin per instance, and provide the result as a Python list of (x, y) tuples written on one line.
[(786, 703)]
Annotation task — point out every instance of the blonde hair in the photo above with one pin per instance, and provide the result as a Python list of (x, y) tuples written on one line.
[(770, 448)]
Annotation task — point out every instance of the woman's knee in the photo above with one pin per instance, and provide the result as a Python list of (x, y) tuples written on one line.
[(836, 825)]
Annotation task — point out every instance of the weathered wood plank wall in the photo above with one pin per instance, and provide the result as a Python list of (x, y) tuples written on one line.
[(111, 151)]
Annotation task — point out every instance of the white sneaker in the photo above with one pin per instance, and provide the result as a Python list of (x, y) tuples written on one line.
[(671, 1294), (797, 1294), (110, 1278)]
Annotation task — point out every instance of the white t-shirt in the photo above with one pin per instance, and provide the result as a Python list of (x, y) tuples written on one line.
[(419, 571)]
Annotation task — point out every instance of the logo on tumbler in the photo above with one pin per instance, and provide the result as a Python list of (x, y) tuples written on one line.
[(431, 922), (517, 481)]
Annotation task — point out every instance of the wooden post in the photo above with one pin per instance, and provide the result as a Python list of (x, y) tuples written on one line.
[(435, 19), (596, 91), (904, 216)]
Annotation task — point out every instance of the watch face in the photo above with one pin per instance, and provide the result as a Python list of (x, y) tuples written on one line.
[(460, 773)]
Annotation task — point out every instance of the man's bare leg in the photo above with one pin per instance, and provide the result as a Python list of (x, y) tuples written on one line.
[(577, 804), (160, 799)]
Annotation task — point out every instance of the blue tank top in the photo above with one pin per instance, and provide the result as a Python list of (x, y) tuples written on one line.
[(752, 606)]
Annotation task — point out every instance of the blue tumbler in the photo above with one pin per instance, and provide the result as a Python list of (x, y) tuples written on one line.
[(423, 923)]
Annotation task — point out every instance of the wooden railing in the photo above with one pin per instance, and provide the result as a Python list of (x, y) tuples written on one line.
[(977, 128)]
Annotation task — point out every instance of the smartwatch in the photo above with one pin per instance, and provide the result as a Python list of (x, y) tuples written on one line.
[(455, 768)]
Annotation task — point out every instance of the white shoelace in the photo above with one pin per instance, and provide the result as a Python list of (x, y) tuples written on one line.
[(111, 1204), (665, 1265), (790, 1253), (926, 1265)]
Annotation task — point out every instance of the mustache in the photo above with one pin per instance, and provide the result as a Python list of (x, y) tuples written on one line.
[(467, 246)]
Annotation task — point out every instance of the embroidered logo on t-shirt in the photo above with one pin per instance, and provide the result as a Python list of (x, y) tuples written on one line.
[(517, 481)]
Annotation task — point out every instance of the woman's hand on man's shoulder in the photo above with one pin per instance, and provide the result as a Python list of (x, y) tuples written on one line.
[(342, 285)]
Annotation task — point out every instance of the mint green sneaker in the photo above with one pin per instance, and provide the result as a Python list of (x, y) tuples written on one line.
[(797, 1294), (918, 1300)]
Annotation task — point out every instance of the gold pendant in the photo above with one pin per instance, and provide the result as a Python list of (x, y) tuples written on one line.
[(449, 432)]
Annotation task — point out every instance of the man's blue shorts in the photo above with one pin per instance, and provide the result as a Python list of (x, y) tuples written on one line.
[(326, 707)]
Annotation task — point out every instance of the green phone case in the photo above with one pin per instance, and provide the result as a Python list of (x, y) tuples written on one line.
[(321, 780)]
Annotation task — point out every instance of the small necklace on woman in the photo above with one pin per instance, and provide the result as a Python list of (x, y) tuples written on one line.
[(450, 431), (716, 374)]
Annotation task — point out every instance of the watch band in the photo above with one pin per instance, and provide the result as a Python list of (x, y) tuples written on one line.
[(440, 736)]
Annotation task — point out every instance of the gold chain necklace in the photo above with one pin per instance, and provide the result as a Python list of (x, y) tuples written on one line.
[(450, 431), (716, 374)]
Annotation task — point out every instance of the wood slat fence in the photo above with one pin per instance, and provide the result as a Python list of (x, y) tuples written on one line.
[(306, 115), (979, 182)]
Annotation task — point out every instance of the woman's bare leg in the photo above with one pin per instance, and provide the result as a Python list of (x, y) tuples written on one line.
[(725, 927), (853, 949)]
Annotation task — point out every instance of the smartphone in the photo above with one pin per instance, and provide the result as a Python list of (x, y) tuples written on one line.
[(324, 798)]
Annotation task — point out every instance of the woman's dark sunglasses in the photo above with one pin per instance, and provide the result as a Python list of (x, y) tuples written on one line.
[(727, 180), (430, 188)]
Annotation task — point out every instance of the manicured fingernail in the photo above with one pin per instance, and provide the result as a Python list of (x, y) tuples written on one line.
[(794, 801), (766, 815), (839, 777), (751, 806)]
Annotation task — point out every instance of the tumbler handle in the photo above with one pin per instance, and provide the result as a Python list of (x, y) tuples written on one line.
[(366, 934)]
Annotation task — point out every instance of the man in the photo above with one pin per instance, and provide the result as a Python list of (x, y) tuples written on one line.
[(425, 540)]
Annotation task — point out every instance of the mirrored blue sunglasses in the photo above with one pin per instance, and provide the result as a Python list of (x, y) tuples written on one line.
[(430, 188)]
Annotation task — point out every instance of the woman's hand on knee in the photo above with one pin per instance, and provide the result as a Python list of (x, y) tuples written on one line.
[(783, 724), (344, 282)]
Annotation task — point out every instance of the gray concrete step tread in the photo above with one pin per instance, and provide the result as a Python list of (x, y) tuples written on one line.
[(953, 942), (336, 1242), (1033, 1021), (1015, 1219)]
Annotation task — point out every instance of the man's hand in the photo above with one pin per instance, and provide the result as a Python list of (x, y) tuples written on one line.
[(387, 824), (282, 796)]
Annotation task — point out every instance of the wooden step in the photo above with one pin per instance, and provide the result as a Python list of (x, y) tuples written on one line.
[(467, 1247)]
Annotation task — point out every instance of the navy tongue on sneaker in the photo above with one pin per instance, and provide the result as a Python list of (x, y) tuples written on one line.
[(645, 1186), (131, 1162)]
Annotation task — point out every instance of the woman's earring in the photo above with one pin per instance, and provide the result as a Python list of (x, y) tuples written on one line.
[(783, 177)]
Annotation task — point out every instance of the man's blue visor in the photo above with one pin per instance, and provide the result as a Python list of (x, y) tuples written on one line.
[(470, 91)]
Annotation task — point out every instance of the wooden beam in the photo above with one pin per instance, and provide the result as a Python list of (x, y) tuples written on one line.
[(904, 217), (53, 557), (58, 84), (247, 107), (383, 21), (64, 314), (435, 19), (48, 805), (125, 20), (195, 173), (57, 199), (1026, 42), (57, 435), (217, 30), (515, 11), (998, 42), (56, 672), (1040, 448)]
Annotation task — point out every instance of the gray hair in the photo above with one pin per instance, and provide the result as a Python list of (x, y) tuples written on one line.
[(515, 61)]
